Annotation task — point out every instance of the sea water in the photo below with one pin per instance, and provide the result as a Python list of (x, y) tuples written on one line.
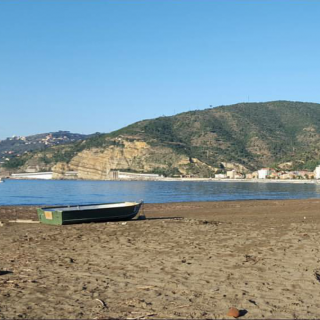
[(59, 192)]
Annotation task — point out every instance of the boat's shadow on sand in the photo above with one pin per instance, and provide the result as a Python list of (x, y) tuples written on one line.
[(133, 220)]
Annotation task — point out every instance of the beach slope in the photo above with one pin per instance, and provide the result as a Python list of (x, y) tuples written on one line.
[(186, 260)]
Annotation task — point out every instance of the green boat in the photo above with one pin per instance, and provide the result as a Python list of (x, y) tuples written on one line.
[(89, 213)]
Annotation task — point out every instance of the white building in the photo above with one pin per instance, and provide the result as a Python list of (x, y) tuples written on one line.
[(263, 173), (36, 175), (317, 172), (120, 175), (231, 174), (220, 176)]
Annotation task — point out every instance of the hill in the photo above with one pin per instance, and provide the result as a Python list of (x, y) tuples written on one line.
[(15, 149), (244, 136)]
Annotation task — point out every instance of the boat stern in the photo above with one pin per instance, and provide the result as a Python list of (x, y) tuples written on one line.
[(49, 216)]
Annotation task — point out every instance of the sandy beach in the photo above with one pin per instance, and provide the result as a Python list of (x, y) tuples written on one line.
[(185, 261)]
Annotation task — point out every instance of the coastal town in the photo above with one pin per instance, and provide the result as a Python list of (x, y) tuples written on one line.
[(272, 174), (16, 146)]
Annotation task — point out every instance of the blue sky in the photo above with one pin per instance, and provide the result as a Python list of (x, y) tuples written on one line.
[(98, 65)]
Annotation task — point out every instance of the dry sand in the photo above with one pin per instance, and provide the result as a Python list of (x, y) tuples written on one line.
[(187, 260)]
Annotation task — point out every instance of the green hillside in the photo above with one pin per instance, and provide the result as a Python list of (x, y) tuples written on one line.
[(251, 134)]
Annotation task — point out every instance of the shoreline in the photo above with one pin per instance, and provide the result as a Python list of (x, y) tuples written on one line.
[(245, 180), (20, 207), (296, 181)]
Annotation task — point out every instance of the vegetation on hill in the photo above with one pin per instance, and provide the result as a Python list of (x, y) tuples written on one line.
[(15, 151), (251, 134), (254, 135)]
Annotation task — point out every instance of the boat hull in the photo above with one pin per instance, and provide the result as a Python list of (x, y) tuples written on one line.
[(88, 213)]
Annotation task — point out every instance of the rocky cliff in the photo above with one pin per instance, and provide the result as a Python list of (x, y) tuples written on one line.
[(132, 156)]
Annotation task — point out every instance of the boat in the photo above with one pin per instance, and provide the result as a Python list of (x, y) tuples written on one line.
[(119, 211)]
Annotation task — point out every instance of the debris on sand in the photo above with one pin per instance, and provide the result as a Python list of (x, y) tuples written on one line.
[(103, 304), (317, 275), (24, 221), (233, 312)]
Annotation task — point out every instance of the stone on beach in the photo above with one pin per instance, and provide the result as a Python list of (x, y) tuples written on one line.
[(233, 312)]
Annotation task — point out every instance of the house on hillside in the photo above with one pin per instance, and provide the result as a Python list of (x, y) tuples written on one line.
[(252, 175), (220, 176), (264, 173), (303, 174), (287, 175), (317, 172), (274, 174), (231, 174)]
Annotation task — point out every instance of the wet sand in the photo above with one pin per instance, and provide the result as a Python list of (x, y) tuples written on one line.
[(186, 260)]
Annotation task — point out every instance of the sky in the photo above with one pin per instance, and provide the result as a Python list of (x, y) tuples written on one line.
[(99, 65)]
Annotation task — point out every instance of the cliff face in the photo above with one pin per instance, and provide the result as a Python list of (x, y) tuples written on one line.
[(96, 163), (136, 156)]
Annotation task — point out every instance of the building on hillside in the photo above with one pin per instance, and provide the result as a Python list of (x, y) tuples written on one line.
[(220, 176), (274, 175), (263, 173), (287, 175), (239, 175), (303, 174), (120, 175), (309, 175), (252, 175), (231, 174), (317, 172)]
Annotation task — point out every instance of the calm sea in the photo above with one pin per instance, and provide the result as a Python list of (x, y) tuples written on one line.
[(52, 192)]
